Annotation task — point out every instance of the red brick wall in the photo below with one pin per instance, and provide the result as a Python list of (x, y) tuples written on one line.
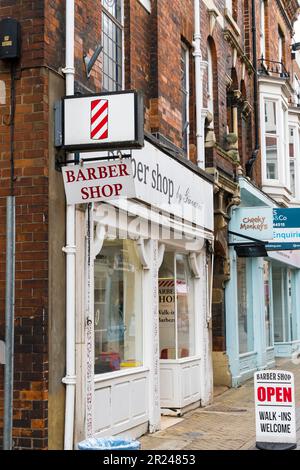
[(31, 189)]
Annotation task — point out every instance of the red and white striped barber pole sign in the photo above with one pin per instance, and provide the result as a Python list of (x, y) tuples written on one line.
[(106, 121), (275, 410), (99, 119)]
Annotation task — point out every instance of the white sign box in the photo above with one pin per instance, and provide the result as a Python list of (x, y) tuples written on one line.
[(100, 181), (275, 407), (103, 121)]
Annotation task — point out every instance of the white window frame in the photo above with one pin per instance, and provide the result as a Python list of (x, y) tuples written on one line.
[(297, 90), (293, 123), (282, 141), (120, 24), (294, 159)]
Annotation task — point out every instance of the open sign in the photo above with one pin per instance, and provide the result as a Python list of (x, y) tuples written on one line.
[(275, 409)]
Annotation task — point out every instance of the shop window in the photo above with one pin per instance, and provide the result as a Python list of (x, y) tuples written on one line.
[(118, 307), (112, 42), (271, 140), (268, 305), (245, 318), (292, 160), (284, 327), (176, 308)]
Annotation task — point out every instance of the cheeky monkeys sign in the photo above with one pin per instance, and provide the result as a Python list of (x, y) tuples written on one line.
[(100, 181)]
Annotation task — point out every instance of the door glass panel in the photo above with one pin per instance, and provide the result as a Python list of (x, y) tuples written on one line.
[(277, 282), (268, 306), (245, 318), (185, 307), (166, 287)]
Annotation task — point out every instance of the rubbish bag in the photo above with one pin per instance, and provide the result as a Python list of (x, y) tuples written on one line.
[(109, 443)]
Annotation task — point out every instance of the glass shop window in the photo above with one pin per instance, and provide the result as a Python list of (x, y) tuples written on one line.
[(176, 308), (245, 317), (118, 307), (268, 305)]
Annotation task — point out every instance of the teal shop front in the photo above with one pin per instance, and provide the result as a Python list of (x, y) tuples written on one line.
[(262, 295)]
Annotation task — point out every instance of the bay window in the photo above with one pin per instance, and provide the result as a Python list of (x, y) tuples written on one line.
[(271, 140)]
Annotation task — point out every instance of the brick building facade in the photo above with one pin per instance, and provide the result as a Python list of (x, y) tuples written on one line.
[(158, 52)]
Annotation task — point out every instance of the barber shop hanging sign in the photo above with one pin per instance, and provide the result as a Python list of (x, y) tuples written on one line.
[(100, 181), (105, 121)]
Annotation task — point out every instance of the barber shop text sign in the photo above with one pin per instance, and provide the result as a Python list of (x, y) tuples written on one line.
[(275, 407), (100, 181)]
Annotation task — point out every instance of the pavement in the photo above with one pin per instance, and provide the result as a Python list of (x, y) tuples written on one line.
[(227, 424)]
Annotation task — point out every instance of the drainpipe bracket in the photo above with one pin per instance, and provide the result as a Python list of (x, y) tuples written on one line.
[(69, 380), (69, 250), (68, 70)]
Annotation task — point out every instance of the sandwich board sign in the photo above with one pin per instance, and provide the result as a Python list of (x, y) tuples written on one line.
[(275, 410), (100, 181)]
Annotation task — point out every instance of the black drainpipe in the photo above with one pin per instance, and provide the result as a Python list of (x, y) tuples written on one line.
[(251, 161)]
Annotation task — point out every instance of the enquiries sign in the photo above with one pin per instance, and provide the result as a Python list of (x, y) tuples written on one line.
[(286, 224), (275, 409), (101, 181)]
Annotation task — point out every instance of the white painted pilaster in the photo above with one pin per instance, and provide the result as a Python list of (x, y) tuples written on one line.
[(151, 334)]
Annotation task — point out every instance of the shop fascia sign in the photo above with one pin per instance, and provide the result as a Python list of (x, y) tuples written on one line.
[(286, 230), (104, 121), (165, 184), (252, 222), (275, 410), (279, 227)]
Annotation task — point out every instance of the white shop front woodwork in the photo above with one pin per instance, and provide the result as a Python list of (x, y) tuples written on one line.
[(130, 400)]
